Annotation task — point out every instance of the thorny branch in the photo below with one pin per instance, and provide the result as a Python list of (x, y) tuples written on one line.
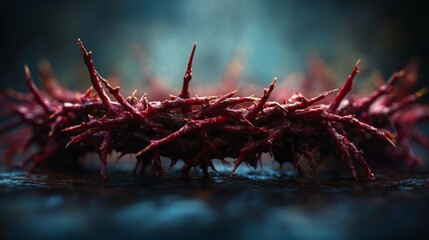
[(59, 124)]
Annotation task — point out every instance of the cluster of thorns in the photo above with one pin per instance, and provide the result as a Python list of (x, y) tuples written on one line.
[(56, 124)]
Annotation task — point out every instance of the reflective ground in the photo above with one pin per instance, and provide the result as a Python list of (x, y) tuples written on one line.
[(250, 205)]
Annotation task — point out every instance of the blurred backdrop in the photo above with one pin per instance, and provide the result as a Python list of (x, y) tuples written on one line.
[(134, 39)]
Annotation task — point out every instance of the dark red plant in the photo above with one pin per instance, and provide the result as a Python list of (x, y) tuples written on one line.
[(56, 124)]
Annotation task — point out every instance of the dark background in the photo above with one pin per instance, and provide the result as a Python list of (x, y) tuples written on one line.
[(275, 37)]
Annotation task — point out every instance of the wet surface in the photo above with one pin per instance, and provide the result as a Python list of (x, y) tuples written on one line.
[(251, 205)]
